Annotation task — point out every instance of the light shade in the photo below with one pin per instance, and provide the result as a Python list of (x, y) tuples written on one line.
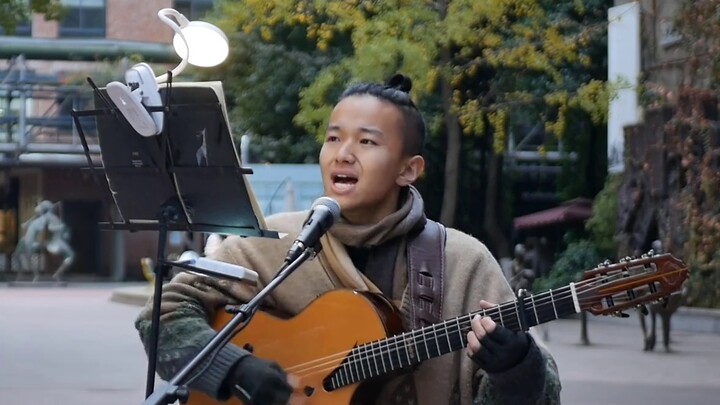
[(208, 44)]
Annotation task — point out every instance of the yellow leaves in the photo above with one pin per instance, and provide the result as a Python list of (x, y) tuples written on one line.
[(498, 120), (431, 79), (593, 97), (491, 40), (471, 118), (559, 126), (408, 36), (559, 99), (559, 48), (266, 34)]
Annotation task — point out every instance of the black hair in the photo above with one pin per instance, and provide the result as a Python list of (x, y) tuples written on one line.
[(397, 92)]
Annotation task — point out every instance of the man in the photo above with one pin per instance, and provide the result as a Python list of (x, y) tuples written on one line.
[(370, 158)]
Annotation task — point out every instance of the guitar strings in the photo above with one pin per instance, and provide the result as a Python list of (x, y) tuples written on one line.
[(552, 295), (397, 342), (393, 343)]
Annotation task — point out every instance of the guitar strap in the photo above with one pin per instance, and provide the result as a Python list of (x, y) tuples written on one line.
[(426, 274)]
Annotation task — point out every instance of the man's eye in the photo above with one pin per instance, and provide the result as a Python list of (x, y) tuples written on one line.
[(368, 142), (331, 138)]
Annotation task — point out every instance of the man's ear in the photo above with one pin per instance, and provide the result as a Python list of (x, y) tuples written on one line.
[(412, 169)]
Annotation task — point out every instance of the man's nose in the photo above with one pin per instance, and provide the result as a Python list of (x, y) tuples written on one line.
[(346, 153)]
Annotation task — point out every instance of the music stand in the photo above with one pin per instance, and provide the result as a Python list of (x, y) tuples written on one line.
[(187, 178)]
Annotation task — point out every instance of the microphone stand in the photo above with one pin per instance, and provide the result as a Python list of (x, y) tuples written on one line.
[(175, 389)]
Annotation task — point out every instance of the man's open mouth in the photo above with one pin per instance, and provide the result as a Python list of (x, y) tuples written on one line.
[(344, 182)]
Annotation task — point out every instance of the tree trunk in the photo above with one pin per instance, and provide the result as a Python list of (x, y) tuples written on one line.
[(496, 239), (452, 150)]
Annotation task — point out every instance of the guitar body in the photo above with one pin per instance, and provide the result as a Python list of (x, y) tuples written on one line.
[(321, 335)]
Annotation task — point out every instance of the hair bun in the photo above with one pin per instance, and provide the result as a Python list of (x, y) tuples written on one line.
[(400, 82)]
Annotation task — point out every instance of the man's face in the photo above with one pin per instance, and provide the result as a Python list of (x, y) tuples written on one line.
[(362, 160)]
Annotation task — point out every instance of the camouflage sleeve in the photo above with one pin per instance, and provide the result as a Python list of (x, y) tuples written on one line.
[(188, 304), (534, 381)]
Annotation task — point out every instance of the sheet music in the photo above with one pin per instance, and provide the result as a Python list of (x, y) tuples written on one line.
[(202, 169)]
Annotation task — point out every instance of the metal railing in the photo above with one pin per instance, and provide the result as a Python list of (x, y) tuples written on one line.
[(35, 118)]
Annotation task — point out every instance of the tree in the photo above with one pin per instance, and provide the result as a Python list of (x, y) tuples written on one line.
[(471, 62), (263, 86), (264, 78), (602, 224), (13, 12)]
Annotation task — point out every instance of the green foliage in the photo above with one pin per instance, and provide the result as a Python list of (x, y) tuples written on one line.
[(263, 81), (697, 23), (602, 223), (579, 256), (699, 198), (500, 38), (13, 12), (704, 287), (492, 65)]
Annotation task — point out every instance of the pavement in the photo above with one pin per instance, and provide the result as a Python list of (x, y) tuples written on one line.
[(77, 345), (69, 345)]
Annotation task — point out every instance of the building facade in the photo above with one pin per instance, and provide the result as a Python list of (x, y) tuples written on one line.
[(43, 71)]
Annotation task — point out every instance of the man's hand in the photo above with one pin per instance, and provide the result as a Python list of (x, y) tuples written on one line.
[(259, 382), (493, 347)]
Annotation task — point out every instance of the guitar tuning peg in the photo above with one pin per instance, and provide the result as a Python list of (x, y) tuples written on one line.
[(651, 252), (607, 262), (643, 309)]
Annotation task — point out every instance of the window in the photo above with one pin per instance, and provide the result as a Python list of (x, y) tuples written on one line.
[(23, 29), (83, 18), (193, 9)]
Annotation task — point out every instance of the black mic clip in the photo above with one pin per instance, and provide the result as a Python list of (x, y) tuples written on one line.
[(324, 212)]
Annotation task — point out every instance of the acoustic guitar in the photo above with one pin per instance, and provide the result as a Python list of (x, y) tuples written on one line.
[(345, 337)]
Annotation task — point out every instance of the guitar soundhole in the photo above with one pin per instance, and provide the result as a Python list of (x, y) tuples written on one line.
[(309, 391)]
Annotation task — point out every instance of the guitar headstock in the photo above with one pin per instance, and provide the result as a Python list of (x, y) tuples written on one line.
[(613, 287)]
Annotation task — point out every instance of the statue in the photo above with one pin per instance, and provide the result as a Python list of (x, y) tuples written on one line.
[(522, 275), (45, 231), (663, 309)]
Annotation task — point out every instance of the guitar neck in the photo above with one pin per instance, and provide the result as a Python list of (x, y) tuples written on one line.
[(412, 348)]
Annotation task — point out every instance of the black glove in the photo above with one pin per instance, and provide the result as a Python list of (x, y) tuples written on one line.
[(502, 350), (259, 382)]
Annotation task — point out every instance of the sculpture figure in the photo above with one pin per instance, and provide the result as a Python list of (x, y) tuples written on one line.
[(663, 309), (522, 274), (45, 231)]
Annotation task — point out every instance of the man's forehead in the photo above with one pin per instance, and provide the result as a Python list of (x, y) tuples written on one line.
[(364, 111)]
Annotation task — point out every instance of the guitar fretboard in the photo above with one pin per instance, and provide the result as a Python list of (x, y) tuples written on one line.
[(412, 348)]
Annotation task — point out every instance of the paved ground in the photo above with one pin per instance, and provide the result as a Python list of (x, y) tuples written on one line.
[(73, 346), (615, 370), (68, 346)]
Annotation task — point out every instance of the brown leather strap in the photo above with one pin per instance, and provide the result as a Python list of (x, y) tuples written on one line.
[(426, 274)]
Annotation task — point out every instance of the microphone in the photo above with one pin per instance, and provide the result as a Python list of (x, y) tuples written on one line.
[(192, 262), (323, 214)]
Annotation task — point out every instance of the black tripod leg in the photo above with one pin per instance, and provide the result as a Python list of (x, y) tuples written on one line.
[(160, 272)]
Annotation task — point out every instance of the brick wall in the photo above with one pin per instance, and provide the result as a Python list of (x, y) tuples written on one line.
[(136, 20), (44, 29), (126, 20)]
